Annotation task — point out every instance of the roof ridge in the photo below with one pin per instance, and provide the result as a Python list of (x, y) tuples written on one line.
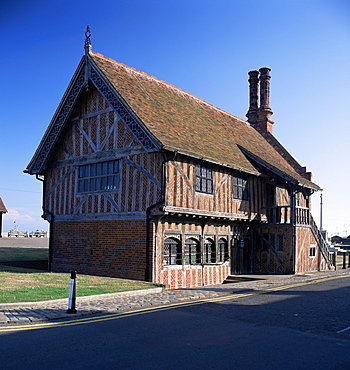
[(168, 85)]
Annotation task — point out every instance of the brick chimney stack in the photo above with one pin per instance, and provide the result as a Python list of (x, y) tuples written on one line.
[(252, 113), (260, 118)]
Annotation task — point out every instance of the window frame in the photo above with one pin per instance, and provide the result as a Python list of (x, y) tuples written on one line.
[(174, 257), (209, 250), (240, 187), (312, 250), (222, 254), (192, 253), (204, 179), (98, 177)]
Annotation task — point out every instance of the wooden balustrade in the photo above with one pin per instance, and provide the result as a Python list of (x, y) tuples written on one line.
[(282, 215)]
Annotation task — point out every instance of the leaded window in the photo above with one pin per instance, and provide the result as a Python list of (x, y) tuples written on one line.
[(204, 179), (95, 177), (192, 251), (240, 187), (209, 251), (222, 250), (172, 252)]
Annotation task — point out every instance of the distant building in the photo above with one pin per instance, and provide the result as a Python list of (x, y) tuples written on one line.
[(145, 181), (339, 240), (2, 211)]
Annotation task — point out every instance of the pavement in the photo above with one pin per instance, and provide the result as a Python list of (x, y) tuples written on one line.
[(28, 312)]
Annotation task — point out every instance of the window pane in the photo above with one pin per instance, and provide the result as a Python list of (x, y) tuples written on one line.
[(204, 185), (86, 185), (115, 182), (92, 170), (109, 182), (92, 185), (104, 168), (98, 169), (103, 183), (209, 186), (116, 166), (198, 184), (98, 183)]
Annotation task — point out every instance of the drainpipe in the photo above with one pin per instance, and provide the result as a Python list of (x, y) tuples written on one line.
[(148, 276), (50, 222)]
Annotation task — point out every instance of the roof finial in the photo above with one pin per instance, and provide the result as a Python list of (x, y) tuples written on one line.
[(87, 45)]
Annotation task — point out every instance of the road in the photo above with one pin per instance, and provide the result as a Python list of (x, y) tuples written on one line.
[(302, 327)]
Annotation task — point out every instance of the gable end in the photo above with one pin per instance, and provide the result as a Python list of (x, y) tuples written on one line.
[(124, 112), (76, 86)]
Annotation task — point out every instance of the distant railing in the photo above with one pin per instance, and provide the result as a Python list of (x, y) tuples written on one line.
[(282, 215)]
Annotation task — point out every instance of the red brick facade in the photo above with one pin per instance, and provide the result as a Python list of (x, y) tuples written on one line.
[(106, 248)]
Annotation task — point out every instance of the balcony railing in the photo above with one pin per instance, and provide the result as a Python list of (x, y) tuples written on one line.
[(282, 215)]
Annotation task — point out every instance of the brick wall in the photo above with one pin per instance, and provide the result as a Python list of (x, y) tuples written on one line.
[(115, 248)]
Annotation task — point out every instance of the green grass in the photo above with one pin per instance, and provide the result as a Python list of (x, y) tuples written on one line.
[(23, 253), (25, 285)]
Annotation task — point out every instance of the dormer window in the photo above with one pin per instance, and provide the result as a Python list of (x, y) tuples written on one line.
[(98, 177), (204, 179)]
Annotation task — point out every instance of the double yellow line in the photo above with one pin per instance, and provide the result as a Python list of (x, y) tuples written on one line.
[(106, 317)]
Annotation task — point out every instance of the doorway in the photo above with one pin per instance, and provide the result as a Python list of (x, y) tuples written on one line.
[(241, 255)]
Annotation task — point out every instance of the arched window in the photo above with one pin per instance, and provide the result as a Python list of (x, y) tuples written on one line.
[(222, 250), (192, 251), (172, 252), (209, 251)]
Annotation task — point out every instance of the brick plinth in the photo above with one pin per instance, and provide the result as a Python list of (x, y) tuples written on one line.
[(115, 248)]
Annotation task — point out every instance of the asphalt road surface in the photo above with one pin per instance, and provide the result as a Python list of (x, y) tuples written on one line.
[(303, 327)]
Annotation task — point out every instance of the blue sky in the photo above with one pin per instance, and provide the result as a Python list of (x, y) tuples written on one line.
[(205, 47)]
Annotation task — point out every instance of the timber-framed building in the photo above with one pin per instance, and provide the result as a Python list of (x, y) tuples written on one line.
[(142, 180)]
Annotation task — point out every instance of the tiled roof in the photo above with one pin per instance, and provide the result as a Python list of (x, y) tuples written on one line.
[(183, 122), (2, 207)]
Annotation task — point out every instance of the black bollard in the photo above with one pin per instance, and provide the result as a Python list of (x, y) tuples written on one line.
[(71, 298)]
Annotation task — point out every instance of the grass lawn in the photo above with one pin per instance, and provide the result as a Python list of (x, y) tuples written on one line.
[(25, 285), (24, 254)]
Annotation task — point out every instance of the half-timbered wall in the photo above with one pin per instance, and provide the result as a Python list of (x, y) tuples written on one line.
[(181, 192), (308, 255), (190, 275), (273, 249), (100, 232), (97, 134)]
